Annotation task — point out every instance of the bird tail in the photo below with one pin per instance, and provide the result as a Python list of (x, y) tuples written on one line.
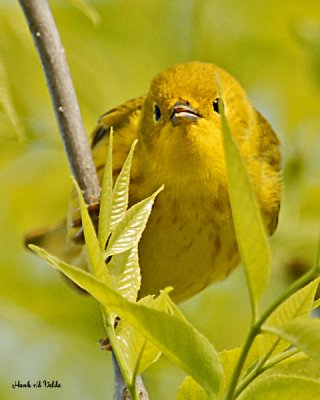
[(56, 241)]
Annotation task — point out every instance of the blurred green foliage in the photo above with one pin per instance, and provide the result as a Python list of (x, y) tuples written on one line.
[(114, 48)]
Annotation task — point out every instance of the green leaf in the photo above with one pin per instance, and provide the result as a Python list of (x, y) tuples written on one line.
[(249, 229), (302, 333), (298, 365), (229, 359), (138, 353), (172, 307), (120, 195), (282, 387), (316, 304), (106, 198), (88, 10), (175, 338), (299, 305), (97, 262), (125, 273), (190, 390), (123, 267), (7, 105), (128, 232)]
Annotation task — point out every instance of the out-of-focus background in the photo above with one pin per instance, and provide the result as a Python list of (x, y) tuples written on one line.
[(47, 331)]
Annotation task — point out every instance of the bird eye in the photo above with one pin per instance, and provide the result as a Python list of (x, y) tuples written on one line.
[(156, 112), (216, 105)]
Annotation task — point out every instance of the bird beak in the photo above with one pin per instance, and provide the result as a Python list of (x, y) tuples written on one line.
[(183, 112)]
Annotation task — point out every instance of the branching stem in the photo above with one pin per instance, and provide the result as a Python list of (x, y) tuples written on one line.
[(48, 43), (256, 328)]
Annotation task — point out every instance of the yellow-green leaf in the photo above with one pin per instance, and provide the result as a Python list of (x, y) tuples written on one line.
[(106, 197), (137, 352), (316, 304), (7, 104), (191, 390), (299, 305), (175, 338), (298, 365), (97, 262), (124, 267), (229, 359), (88, 10), (250, 232), (302, 333), (127, 233), (282, 387), (125, 273), (120, 195)]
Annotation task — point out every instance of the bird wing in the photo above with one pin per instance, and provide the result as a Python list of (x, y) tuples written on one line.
[(116, 118), (65, 239), (269, 154), (124, 121)]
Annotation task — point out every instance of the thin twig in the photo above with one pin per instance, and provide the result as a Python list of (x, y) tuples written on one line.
[(65, 104), (51, 52), (121, 391)]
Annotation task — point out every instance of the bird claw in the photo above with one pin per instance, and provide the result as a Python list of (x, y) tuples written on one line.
[(105, 344), (93, 210)]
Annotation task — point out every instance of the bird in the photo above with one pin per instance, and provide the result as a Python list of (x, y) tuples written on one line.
[(189, 241)]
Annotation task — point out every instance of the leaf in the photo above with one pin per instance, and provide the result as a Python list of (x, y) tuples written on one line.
[(172, 307), (282, 387), (123, 267), (106, 198), (175, 338), (249, 229), (7, 104), (316, 304), (120, 194), (299, 305), (229, 359), (125, 273), (298, 365), (88, 10), (128, 232), (190, 390), (97, 262), (302, 333), (138, 353)]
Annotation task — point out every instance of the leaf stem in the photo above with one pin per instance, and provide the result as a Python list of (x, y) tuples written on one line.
[(298, 284), (254, 331), (136, 388), (280, 357), (256, 327), (263, 365)]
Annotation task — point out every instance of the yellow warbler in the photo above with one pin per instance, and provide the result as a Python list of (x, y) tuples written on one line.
[(189, 240)]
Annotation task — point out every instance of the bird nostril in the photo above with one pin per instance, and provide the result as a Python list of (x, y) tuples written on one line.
[(182, 102)]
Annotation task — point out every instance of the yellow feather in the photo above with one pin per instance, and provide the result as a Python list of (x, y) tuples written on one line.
[(189, 241)]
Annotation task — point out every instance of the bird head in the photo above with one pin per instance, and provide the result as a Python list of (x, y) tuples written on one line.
[(180, 122)]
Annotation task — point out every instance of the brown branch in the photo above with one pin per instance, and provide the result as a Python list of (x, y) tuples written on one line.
[(121, 391), (51, 52), (65, 104)]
